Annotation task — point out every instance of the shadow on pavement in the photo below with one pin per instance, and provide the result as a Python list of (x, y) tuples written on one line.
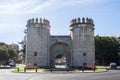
[(5, 67)]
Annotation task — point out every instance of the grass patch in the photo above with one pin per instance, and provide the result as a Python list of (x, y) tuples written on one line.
[(100, 68), (21, 69)]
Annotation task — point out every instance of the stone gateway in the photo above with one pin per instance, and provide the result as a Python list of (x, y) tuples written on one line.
[(76, 49)]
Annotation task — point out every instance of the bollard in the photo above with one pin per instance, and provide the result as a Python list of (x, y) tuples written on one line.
[(94, 69), (36, 69), (68, 67), (82, 69), (18, 69), (24, 69), (68, 70), (50, 69)]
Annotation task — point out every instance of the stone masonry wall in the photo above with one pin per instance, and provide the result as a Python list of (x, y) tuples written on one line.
[(37, 48), (82, 34), (80, 43)]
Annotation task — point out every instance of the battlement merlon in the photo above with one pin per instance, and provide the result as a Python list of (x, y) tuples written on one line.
[(38, 21), (81, 21)]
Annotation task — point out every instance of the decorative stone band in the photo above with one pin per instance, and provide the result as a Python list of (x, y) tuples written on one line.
[(81, 21)]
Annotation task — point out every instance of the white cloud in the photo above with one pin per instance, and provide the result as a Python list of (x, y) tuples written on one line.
[(41, 7), (7, 28), (13, 25), (14, 7), (11, 33), (33, 6)]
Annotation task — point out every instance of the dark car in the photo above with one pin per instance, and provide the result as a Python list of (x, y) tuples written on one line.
[(12, 63)]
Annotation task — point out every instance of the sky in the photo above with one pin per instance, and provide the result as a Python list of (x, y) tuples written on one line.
[(15, 13)]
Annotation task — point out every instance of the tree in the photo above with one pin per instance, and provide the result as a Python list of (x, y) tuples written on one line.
[(6, 53), (106, 50), (23, 45), (12, 53), (3, 54)]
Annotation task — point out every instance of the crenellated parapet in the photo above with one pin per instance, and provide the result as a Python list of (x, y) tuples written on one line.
[(38, 21), (81, 21)]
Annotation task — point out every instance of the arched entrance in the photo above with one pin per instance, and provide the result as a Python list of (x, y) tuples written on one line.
[(60, 61), (60, 54)]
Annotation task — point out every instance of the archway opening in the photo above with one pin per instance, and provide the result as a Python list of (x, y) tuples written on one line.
[(60, 61), (60, 55)]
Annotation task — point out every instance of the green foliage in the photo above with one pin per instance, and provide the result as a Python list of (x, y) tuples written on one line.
[(7, 52), (3, 53), (23, 50), (106, 50), (12, 52)]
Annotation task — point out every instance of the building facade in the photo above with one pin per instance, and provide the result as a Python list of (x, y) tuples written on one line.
[(76, 49)]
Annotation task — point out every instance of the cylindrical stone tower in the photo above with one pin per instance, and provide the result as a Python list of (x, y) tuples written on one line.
[(37, 43), (82, 35)]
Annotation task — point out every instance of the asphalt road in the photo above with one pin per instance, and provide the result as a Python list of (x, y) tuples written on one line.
[(6, 74)]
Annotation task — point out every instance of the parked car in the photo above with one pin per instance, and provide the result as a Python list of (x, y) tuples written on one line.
[(12, 63), (113, 65)]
